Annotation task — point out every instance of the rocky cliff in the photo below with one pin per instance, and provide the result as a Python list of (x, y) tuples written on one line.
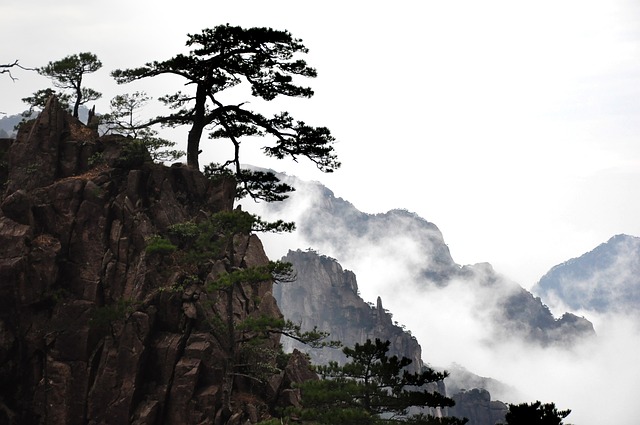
[(96, 328), (326, 296), (407, 254), (477, 406)]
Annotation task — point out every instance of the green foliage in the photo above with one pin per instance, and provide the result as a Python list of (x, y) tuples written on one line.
[(133, 155), (257, 184), (535, 414), (159, 148), (123, 116), (184, 231), (370, 387), (39, 100), (159, 245), (123, 120), (210, 238), (313, 338), (95, 159), (248, 343), (262, 59), (272, 270), (67, 74)]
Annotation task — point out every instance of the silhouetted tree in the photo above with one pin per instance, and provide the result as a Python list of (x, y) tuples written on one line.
[(122, 119), (229, 56), (373, 388), (535, 414), (67, 74), (248, 344), (39, 100)]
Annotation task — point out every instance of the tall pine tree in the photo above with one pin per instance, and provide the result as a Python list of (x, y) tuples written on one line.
[(373, 388)]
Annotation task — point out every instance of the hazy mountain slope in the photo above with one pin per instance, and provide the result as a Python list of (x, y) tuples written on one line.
[(326, 296), (405, 256), (606, 279), (7, 125)]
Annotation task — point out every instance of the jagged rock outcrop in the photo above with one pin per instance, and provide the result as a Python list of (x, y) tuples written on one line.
[(326, 296), (96, 329)]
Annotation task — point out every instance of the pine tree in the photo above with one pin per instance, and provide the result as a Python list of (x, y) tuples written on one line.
[(535, 414), (68, 73), (263, 60), (372, 388)]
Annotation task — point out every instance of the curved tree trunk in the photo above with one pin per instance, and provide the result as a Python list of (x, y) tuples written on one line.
[(193, 145), (76, 106), (193, 141)]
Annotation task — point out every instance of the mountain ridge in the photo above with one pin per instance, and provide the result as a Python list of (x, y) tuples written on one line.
[(400, 246), (605, 279)]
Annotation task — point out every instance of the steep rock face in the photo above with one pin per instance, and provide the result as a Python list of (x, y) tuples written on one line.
[(4, 164), (477, 406), (93, 328), (326, 296), (606, 279), (414, 247), (351, 229)]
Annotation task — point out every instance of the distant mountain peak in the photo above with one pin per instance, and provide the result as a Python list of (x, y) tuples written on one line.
[(408, 257), (606, 278)]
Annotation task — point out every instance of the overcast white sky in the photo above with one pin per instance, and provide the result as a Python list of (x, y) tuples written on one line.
[(513, 126)]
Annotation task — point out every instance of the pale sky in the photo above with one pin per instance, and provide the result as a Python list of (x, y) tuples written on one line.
[(513, 126)]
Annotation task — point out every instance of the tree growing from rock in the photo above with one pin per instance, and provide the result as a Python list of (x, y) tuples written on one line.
[(249, 345), (123, 119), (372, 388), (223, 60), (39, 99), (68, 73), (535, 414)]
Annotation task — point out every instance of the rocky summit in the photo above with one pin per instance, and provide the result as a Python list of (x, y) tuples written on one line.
[(95, 327)]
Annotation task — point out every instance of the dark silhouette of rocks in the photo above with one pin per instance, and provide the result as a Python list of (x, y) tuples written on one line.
[(93, 329)]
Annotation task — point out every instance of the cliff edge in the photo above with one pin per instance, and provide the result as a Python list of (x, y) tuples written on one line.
[(94, 327)]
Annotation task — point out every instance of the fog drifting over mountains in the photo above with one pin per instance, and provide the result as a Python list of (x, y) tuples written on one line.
[(598, 379)]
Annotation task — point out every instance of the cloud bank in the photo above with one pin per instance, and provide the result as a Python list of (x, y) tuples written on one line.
[(598, 379)]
